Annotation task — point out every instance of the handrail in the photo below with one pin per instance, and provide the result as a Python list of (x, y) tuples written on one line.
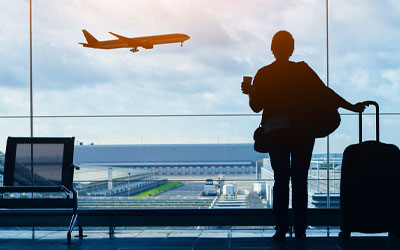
[(160, 115), (160, 217), (193, 180)]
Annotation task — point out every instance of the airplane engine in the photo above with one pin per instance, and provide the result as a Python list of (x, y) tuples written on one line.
[(147, 45)]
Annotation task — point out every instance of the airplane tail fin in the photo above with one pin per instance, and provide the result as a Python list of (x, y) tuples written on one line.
[(89, 38)]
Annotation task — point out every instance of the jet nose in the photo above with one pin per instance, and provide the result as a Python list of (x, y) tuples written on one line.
[(186, 37)]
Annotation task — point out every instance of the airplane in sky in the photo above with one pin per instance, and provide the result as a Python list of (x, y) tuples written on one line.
[(146, 42)]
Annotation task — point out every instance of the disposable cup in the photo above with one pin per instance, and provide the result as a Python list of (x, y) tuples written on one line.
[(247, 79)]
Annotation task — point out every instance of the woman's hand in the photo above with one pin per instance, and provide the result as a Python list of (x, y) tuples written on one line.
[(358, 107), (247, 88)]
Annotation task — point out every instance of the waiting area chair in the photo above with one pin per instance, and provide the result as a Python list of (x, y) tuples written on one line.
[(35, 169)]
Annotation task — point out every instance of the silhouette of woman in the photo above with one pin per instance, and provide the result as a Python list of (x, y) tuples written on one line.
[(291, 89)]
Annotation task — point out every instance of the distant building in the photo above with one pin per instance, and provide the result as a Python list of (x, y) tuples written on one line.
[(173, 158)]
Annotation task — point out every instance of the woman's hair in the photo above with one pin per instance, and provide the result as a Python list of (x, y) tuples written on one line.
[(282, 43)]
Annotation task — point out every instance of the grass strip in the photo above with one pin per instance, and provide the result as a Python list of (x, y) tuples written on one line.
[(160, 189)]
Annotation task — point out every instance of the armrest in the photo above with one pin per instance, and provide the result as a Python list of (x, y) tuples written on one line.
[(76, 167)]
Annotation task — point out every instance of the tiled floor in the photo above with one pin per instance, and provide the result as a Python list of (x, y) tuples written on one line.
[(184, 240)]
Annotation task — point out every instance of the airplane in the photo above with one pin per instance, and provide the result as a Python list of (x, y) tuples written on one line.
[(146, 42)]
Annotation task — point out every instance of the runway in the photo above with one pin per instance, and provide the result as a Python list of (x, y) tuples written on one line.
[(188, 189)]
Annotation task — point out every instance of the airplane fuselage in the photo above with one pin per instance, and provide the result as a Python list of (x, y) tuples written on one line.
[(146, 42)]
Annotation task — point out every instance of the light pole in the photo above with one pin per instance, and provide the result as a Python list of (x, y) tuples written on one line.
[(257, 169), (129, 186), (318, 177)]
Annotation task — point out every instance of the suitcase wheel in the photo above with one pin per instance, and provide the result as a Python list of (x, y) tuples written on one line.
[(343, 235)]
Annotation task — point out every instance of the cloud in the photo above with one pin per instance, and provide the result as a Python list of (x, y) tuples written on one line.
[(359, 79), (390, 86), (14, 101), (339, 141)]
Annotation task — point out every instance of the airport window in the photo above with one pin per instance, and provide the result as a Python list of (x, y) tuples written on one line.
[(167, 126)]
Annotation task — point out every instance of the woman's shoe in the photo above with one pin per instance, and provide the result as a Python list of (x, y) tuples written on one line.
[(279, 235)]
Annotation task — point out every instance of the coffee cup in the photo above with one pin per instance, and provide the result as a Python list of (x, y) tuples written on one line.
[(247, 79)]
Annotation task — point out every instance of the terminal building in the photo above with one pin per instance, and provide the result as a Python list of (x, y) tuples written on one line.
[(179, 159)]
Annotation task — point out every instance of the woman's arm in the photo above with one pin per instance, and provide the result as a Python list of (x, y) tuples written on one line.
[(332, 95), (254, 103), (342, 103)]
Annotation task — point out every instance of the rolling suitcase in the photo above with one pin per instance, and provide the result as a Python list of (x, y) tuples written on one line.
[(370, 186)]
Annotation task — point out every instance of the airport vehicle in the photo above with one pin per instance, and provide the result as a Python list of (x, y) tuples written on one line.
[(209, 188), (229, 190), (369, 189), (209, 182), (146, 42)]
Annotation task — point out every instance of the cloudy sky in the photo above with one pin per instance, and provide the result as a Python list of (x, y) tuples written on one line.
[(229, 39)]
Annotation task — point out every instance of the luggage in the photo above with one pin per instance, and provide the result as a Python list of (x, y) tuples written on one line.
[(279, 131), (369, 186)]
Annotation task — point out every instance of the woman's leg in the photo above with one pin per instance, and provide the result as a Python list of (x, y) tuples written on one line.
[(280, 162), (301, 157)]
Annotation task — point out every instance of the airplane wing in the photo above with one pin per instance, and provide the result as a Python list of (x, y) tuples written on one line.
[(131, 41), (119, 36)]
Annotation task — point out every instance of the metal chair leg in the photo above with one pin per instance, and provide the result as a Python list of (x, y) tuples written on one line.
[(81, 235), (71, 227), (80, 230)]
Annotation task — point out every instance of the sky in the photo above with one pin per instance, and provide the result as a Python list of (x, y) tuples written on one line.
[(229, 39)]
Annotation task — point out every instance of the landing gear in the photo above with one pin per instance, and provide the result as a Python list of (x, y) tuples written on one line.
[(133, 50), (181, 44)]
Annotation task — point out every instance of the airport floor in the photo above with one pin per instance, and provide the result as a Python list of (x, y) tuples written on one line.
[(185, 240)]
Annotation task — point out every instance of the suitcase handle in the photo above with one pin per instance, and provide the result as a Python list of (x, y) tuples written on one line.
[(377, 120)]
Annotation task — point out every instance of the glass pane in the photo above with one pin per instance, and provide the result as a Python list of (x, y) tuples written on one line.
[(363, 51), (202, 77), (364, 66), (14, 66)]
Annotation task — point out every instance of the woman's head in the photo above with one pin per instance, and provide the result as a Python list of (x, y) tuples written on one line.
[(282, 45)]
